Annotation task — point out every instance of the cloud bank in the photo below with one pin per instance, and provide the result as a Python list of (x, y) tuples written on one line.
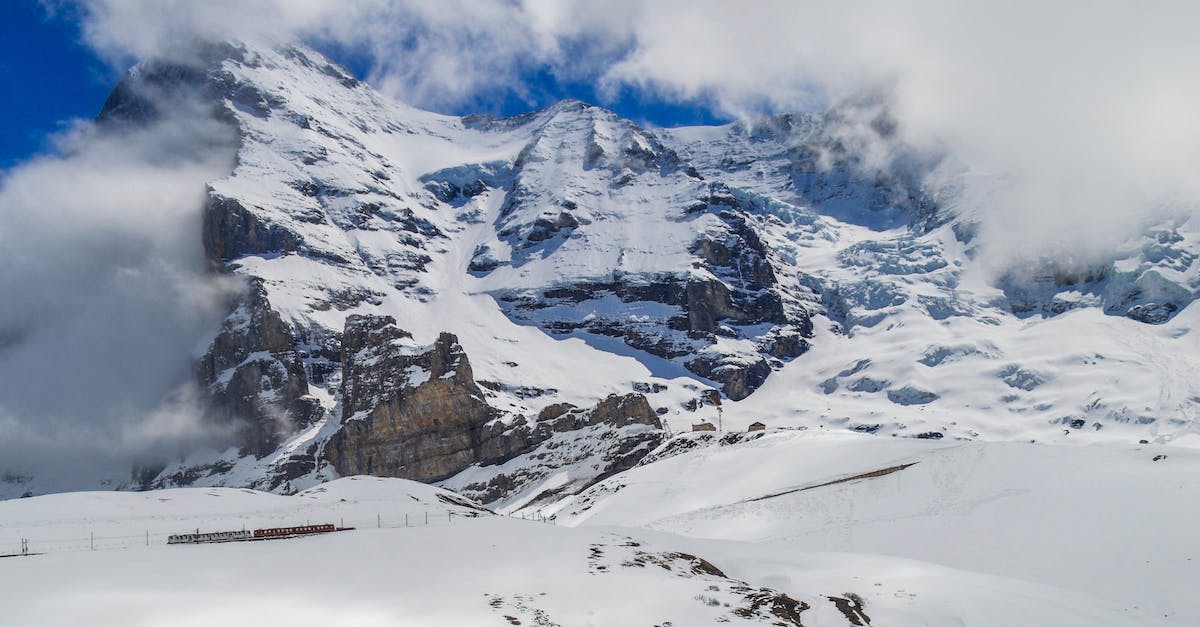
[(106, 301)]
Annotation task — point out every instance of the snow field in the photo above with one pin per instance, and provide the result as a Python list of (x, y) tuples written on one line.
[(490, 570)]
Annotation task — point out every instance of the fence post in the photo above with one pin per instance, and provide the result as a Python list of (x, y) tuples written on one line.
[(405, 519), (92, 541), (147, 537), (378, 521), (426, 518)]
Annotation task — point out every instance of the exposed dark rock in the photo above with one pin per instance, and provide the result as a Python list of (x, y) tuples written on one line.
[(459, 184), (868, 385), (1152, 313), (417, 412), (851, 607), (545, 228), (1018, 378), (615, 410), (551, 412), (231, 232), (909, 395), (737, 378), (768, 604), (706, 306), (732, 288), (706, 302), (602, 442), (255, 375), (786, 345), (642, 387), (188, 476)]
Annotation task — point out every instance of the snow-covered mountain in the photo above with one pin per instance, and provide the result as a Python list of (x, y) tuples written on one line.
[(533, 312), (520, 306)]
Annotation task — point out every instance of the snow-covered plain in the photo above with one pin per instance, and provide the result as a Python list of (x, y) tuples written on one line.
[(1108, 520), (486, 570)]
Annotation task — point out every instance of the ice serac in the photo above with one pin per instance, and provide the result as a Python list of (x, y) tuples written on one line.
[(416, 412)]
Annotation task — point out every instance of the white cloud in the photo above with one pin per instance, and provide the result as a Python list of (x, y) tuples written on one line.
[(1082, 109), (1085, 110), (107, 300)]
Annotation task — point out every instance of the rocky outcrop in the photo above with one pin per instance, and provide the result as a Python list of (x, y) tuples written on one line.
[(578, 446), (738, 377), (407, 411), (231, 232), (416, 412), (255, 375)]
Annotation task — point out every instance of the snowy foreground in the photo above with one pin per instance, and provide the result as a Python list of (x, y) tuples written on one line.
[(760, 531)]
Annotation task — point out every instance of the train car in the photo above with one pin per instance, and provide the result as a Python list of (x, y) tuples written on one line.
[(206, 538), (291, 532)]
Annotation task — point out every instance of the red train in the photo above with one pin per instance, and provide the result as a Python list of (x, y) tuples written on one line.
[(288, 532), (270, 533)]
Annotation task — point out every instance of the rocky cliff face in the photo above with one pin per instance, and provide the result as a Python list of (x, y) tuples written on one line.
[(410, 412), (416, 412), (255, 375)]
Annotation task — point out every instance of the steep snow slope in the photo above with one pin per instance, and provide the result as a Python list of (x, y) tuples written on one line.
[(488, 570)]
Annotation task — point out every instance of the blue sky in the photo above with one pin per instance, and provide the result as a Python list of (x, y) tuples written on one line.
[(49, 78)]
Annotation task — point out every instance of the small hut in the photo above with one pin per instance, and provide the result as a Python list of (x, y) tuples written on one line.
[(757, 426), (704, 426)]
